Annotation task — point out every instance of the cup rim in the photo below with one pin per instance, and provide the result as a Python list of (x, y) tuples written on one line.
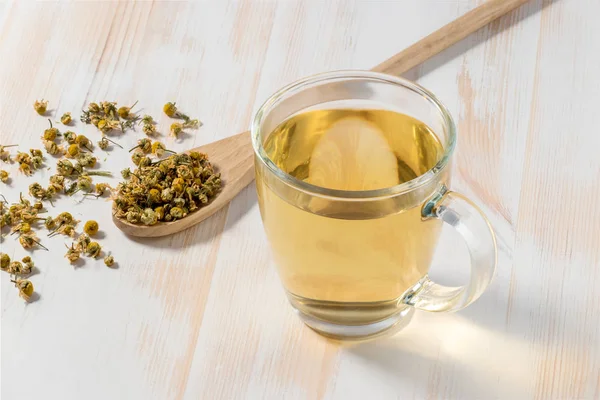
[(349, 195)]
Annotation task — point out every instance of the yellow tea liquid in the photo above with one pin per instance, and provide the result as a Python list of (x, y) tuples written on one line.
[(341, 262)]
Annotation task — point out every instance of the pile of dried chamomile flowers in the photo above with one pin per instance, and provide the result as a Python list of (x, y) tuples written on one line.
[(159, 189), (166, 190)]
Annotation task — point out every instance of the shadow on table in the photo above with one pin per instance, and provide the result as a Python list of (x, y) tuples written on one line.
[(451, 357), (500, 25), (209, 229)]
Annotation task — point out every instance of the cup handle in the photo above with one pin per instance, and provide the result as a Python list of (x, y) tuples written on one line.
[(458, 211)]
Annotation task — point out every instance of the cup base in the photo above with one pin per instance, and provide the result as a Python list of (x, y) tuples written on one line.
[(388, 326)]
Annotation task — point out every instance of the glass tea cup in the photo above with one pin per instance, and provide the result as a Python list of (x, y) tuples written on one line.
[(354, 263)]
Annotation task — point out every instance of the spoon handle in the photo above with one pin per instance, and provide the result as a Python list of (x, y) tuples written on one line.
[(447, 36)]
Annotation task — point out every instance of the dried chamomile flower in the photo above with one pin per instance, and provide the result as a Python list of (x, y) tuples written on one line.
[(103, 143), (177, 213), (64, 167), (25, 288), (4, 176), (93, 108), (144, 162), (109, 108), (52, 148), (84, 182), (4, 261), (23, 158), (66, 118), (4, 154), (149, 129), (109, 261), (126, 173), (57, 182), (5, 220), (50, 223), (149, 217), (29, 240), (40, 106), (159, 149), (124, 111), (82, 242), (170, 109), (136, 157), (27, 266), (101, 188), (83, 141), (38, 205), (22, 227), (72, 254), (91, 227), (73, 150), (93, 249), (64, 218), (36, 153), (50, 133), (25, 168), (177, 128), (107, 125), (37, 191), (144, 144), (36, 162), (70, 137), (87, 160), (15, 268)]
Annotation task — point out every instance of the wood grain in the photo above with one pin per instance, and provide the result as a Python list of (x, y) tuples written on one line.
[(201, 314)]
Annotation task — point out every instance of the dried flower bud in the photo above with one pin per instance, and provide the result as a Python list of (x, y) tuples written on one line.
[(50, 133), (91, 227), (136, 157), (66, 118), (126, 173), (109, 261), (36, 153), (83, 141), (176, 128), (4, 261), (25, 168), (149, 129), (170, 109), (40, 106), (93, 249), (149, 217), (52, 148), (64, 167), (103, 143), (73, 150), (50, 223), (72, 254), (3, 176), (64, 218), (94, 108), (124, 111), (25, 288)]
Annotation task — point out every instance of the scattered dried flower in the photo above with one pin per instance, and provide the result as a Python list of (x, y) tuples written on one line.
[(66, 118), (40, 106)]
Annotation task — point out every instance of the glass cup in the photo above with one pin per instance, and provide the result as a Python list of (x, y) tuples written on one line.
[(354, 263)]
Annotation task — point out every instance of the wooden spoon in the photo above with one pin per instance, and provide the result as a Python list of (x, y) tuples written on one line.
[(233, 156)]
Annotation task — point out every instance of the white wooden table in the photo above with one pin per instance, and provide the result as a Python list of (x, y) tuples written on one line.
[(202, 314)]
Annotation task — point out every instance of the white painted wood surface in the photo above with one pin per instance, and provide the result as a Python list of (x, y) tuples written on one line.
[(202, 314)]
